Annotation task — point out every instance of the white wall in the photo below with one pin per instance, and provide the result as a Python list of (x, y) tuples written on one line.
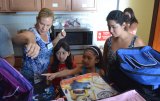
[(99, 18)]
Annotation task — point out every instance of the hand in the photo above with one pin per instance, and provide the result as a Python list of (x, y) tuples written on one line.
[(33, 49), (49, 76), (62, 34), (27, 38)]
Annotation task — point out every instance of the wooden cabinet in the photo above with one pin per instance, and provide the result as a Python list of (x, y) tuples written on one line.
[(24, 5), (83, 5), (57, 5), (70, 5), (4, 5)]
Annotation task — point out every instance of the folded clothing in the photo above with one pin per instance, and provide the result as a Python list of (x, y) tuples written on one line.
[(131, 95)]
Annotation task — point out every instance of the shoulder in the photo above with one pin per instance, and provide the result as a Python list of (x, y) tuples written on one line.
[(5, 40), (5, 36), (108, 41), (4, 31), (139, 42), (33, 30), (2, 27)]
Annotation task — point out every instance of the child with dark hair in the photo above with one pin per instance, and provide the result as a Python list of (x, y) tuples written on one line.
[(92, 61), (62, 56), (62, 60), (133, 23)]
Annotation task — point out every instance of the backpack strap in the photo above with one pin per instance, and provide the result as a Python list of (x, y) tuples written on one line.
[(132, 42)]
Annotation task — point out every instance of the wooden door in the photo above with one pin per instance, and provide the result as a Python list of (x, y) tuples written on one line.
[(84, 5), (25, 5), (155, 30), (57, 5)]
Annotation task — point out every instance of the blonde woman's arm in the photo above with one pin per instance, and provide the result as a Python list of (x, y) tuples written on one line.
[(60, 36), (27, 38)]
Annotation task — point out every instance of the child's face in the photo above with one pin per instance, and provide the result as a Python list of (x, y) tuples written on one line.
[(89, 59), (62, 55)]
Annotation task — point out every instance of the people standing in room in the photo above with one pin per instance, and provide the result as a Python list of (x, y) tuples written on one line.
[(92, 62), (133, 22), (35, 65), (120, 38), (6, 51)]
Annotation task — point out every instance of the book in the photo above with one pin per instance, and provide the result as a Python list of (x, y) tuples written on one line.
[(87, 87)]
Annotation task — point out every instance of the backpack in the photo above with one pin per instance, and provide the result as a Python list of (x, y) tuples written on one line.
[(13, 86), (141, 64)]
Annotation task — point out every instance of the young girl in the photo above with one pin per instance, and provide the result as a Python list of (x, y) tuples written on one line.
[(92, 62), (133, 25), (62, 61)]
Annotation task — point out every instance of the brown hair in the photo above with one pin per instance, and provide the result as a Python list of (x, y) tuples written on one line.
[(45, 12)]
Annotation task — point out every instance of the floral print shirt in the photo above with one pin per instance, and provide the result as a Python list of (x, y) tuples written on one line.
[(33, 68)]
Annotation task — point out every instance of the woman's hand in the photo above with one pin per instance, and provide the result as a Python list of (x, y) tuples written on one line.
[(32, 47), (62, 34), (32, 50), (50, 76)]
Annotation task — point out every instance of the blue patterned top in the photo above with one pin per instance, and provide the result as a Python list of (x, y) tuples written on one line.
[(33, 68)]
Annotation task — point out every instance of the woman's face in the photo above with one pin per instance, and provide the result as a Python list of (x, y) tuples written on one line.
[(62, 55), (115, 28), (89, 59), (44, 24)]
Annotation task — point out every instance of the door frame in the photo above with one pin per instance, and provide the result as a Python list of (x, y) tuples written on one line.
[(154, 22)]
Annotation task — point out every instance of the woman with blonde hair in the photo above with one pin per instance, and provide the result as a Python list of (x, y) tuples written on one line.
[(35, 65)]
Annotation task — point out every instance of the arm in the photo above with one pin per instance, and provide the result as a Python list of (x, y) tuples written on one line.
[(60, 36), (66, 72), (27, 38), (24, 37)]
